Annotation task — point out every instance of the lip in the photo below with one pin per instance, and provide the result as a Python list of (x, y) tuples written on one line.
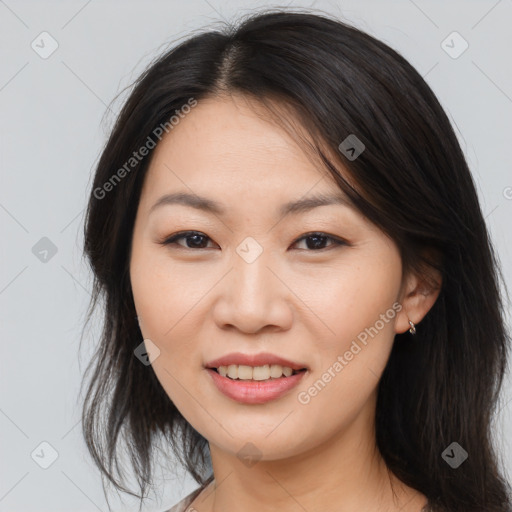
[(254, 360), (254, 391)]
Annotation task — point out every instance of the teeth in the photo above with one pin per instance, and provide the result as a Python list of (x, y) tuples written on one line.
[(243, 372), (232, 370), (260, 372)]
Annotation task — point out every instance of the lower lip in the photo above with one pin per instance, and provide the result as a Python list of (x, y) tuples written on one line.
[(255, 391)]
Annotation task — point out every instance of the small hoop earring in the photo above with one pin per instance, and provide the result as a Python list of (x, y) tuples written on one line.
[(412, 330)]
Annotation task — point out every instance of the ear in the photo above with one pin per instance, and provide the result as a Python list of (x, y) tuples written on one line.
[(418, 295)]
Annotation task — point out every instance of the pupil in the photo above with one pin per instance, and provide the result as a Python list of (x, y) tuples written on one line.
[(196, 237), (316, 245)]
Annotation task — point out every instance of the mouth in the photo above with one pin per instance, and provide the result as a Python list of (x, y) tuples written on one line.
[(255, 379)]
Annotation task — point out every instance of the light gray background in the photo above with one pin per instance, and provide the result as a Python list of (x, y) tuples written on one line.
[(51, 134)]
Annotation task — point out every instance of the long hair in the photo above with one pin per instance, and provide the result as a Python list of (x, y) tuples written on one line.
[(412, 181)]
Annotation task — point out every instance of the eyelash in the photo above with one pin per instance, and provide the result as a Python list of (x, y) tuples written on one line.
[(185, 234)]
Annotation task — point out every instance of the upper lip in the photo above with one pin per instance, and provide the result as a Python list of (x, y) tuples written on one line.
[(254, 360)]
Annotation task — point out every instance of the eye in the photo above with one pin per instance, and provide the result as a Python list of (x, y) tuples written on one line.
[(317, 241), (196, 240), (193, 239)]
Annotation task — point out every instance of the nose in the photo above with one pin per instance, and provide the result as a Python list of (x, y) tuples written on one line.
[(253, 298)]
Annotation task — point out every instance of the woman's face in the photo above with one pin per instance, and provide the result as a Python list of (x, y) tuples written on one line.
[(251, 282)]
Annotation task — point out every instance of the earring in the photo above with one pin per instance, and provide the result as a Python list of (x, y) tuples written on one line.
[(412, 330)]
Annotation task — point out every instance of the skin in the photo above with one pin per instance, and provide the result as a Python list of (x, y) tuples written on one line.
[(301, 303)]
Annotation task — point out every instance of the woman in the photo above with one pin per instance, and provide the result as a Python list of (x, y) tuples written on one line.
[(300, 294)]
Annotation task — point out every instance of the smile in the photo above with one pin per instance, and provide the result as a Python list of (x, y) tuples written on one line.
[(250, 391)]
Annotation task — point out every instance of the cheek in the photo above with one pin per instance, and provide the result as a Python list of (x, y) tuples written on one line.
[(358, 305), (170, 300), (168, 318), (165, 294), (351, 298)]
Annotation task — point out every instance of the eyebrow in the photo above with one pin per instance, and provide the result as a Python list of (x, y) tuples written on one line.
[(212, 206)]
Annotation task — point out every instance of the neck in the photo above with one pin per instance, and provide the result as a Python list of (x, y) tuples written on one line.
[(345, 473)]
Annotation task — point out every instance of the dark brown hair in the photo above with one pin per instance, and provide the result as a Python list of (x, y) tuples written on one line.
[(412, 181)]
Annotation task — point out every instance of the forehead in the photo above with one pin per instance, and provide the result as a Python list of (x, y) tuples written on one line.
[(233, 146)]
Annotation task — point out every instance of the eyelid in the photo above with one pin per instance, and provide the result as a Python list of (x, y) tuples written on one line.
[(336, 239), (183, 234)]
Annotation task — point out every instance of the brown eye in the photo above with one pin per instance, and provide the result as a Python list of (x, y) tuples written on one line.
[(317, 241), (193, 240)]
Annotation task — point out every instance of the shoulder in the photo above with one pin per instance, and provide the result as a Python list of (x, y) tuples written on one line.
[(182, 505)]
